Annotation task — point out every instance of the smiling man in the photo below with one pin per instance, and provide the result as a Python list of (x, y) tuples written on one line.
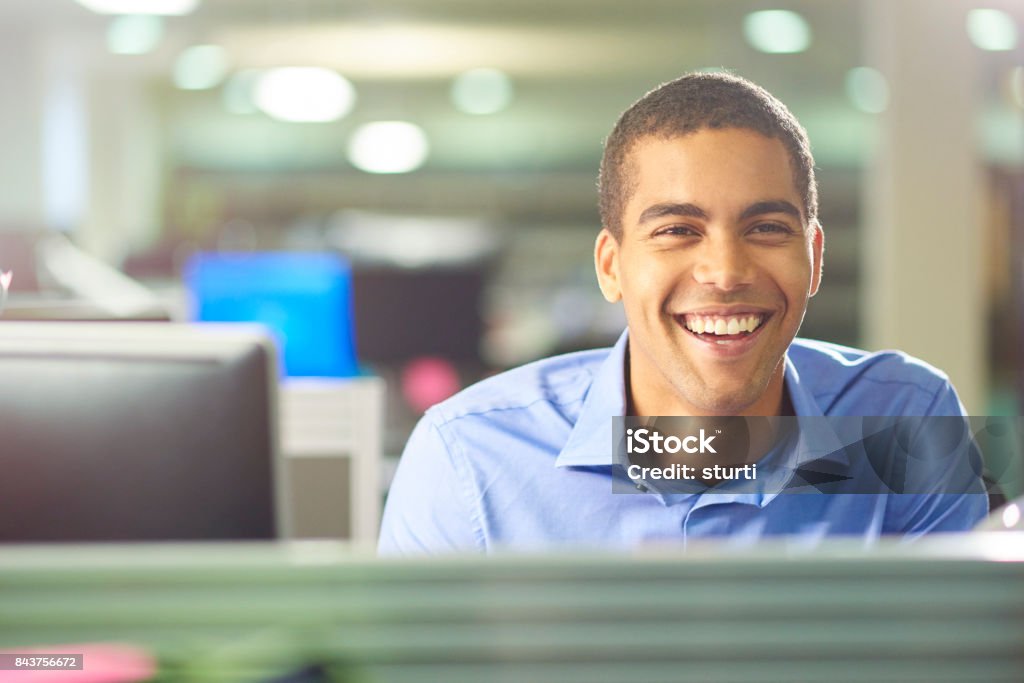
[(715, 254), (711, 241)]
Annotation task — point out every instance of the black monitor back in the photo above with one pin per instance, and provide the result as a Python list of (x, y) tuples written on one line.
[(404, 313), (124, 432)]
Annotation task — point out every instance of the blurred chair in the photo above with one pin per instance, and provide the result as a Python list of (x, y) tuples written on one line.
[(18, 255), (55, 280)]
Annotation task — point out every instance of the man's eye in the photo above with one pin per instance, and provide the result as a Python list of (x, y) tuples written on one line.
[(679, 230), (776, 228)]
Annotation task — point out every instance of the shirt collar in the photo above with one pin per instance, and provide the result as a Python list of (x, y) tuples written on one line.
[(590, 442), (816, 441)]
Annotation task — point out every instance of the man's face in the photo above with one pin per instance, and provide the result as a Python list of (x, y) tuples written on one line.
[(715, 267)]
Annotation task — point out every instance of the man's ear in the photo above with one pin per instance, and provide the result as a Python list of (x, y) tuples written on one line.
[(817, 253), (606, 262)]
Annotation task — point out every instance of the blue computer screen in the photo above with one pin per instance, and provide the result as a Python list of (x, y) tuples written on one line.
[(304, 299)]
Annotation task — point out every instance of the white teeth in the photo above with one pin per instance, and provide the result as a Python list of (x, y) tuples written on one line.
[(723, 326)]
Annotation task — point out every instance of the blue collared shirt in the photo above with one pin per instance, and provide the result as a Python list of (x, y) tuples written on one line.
[(524, 461)]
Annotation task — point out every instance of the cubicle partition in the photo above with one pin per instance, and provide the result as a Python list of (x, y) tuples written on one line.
[(945, 609)]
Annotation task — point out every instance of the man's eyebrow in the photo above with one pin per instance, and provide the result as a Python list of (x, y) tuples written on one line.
[(672, 209), (771, 206)]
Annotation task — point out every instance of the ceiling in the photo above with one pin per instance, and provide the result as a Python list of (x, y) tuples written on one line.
[(575, 64)]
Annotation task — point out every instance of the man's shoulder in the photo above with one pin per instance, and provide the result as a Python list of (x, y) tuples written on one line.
[(555, 381), (834, 372)]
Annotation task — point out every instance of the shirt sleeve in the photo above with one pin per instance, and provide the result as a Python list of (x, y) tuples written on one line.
[(429, 509), (954, 499)]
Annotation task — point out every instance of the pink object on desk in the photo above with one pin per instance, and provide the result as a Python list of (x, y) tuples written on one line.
[(428, 380)]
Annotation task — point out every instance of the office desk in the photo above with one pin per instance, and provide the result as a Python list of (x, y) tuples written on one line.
[(945, 609)]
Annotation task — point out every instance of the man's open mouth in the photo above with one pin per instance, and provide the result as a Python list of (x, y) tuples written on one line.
[(711, 327)]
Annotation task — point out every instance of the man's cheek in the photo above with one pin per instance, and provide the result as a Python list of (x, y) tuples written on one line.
[(793, 273), (657, 280)]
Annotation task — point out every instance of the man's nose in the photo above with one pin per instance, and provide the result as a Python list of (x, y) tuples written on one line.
[(723, 263)]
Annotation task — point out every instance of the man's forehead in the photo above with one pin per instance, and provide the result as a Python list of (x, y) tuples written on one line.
[(741, 164)]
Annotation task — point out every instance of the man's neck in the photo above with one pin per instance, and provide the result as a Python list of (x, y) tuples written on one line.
[(775, 401)]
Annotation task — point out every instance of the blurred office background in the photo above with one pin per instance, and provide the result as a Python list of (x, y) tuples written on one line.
[(449, 149)]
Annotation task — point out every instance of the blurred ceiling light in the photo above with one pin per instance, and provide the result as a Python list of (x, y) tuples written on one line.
[(166, 7), (991, 29), (239, 94), (482, 91), (412, 241), (201, 67), (388, 147), (304, 94), (134, 34), (1011, 515), (1017, 85), (777, 31), (868, 89), (437, 50)]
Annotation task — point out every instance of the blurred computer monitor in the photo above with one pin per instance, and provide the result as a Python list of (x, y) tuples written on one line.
[(136, 431), (304, 299), (407, 313)]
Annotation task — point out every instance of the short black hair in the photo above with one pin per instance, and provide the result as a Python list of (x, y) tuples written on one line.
[(691, 103)]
